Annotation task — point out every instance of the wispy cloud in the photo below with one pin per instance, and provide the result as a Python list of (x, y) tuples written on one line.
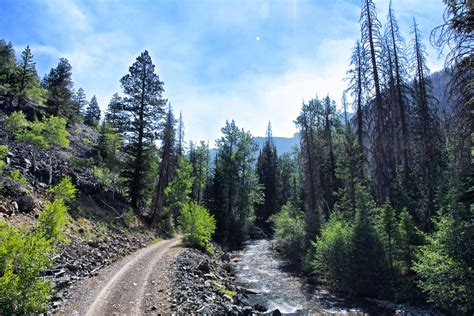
[(67, 14)]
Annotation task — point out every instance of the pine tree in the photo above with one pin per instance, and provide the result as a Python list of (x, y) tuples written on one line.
[(396, 46), (358, 87), (109, 145), (115, 115), (455, 37), (328, 168), (215, 201), (367, 253), (239, 184), (408, 238), (308, 122), (388, 231), (199, 158), (27, 76), (349, 164), (268, 171), (81, 101), (59, 85), (167, 167), (178, 194), (180, 149), (143, 107), (92, 115), (426, 130), (289, 189), (371, 42), (7, 71)]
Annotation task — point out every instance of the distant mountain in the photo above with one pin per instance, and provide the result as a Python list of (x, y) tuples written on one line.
[(283, 144), (440, 81)]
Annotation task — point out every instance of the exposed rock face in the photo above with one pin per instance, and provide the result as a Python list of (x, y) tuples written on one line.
[(205, 285), (36, 164)]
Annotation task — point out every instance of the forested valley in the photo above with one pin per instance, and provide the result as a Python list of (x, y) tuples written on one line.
[(376, 201)]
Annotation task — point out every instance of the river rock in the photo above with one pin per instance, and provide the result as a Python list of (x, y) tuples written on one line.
[(250, 291), (203, 285), (259, 308), (226, 257)]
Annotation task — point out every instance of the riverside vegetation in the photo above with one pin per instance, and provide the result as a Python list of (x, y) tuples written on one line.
[(377, 204)]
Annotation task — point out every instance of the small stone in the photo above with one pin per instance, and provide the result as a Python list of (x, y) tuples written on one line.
[(5, 210), (14, 206)]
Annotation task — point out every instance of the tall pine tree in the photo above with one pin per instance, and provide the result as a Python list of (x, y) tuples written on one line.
[(168, 166), (27, 75), (143, 106), (60, 87), (268, 172)]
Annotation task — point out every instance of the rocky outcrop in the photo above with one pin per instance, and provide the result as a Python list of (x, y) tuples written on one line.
[(205, 285), (37, 165)]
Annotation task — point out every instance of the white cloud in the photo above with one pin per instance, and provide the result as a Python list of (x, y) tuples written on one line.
[(46, 50), (67, 14)]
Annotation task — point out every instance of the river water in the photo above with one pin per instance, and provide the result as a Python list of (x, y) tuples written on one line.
[(259, 269)]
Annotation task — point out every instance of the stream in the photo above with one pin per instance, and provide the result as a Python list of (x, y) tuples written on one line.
[(260, 270)]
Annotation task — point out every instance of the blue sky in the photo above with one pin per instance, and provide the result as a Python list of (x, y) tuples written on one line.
[(249, 60)]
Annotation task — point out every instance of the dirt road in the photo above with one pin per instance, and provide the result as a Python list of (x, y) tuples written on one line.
[(125, 287)]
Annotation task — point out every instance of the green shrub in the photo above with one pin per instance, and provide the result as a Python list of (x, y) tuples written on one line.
[(64, 190), (105, 175), (101, 230), (350, 257), (23, 257), (16, 176), (221, 288), (55, 132), (331, 254), (48, 133), (37, 94), (445, 274), (3, 154), (14, 123), (53, 219), (197, 226), (79, 163), (368, 268), (129, 217), (290, 233)]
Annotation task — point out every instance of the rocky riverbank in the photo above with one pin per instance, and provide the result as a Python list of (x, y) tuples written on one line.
[(205, 284)]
